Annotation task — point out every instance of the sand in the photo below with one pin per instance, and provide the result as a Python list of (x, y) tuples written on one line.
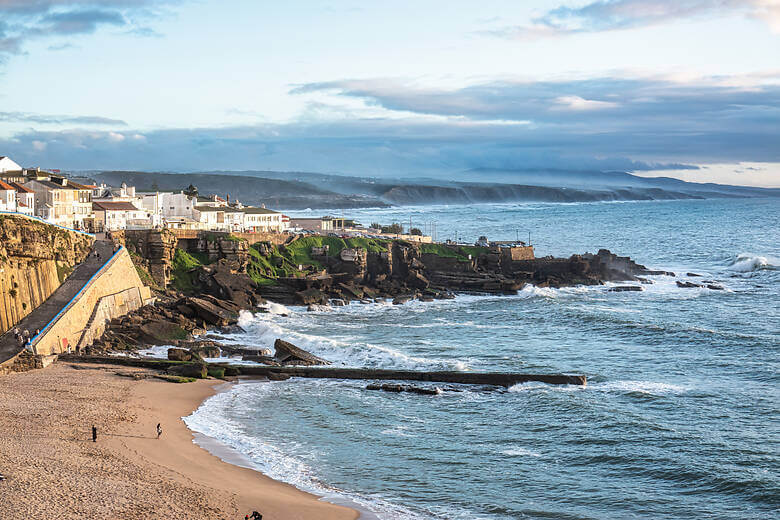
[(54, 470)]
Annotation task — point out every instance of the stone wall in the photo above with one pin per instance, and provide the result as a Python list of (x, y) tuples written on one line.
[(116, 289), (515, 254), (35, 257)]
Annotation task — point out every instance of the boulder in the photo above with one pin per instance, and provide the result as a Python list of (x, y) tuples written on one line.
[(197, 370), (210, 313), (687, 285), (273, 376), (627, 288), (289, 354), (161, 332), (179, 354)]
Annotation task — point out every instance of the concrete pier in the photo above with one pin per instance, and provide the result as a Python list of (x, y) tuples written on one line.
[(506, 379)]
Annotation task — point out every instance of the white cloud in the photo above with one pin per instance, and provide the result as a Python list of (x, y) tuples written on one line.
[(578, 103)]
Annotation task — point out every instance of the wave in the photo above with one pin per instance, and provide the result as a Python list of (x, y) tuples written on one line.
[(653, 388), (263, 329), (748, 263), (211, 419)]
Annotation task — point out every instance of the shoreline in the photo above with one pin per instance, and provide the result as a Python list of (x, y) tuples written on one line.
[(231, 456), (53, 469)]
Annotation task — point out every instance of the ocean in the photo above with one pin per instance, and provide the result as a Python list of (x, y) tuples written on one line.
[(680, 417)]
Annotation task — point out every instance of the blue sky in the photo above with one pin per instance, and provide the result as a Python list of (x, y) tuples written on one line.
[(656, 86)]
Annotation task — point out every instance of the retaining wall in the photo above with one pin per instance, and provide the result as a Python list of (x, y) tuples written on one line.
[(113, 291)]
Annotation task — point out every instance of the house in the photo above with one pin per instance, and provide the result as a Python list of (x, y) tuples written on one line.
[(7, 165), (7, 197), (220, 218), (165, 205), (113, 216), (262, 220), (318, 225), (25, 199), (61, 203)]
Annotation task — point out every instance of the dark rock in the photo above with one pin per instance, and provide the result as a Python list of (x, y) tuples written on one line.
[(289, 354), (626, 288), (692, 275), (273, 376), (687, 285), (197, 370), (715, 287)]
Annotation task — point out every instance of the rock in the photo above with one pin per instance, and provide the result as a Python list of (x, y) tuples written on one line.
[(265, 360), (272, 376), (338, 302), (692, 275), (400, 300), (318, 308), (715, 287), (289, 354), (197, 370), (211, 313), (687, 285), (179, 354), (161, 332), (626, 288)]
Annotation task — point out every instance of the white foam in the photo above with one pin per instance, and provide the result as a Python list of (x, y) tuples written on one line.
[(643, 387), (746, 263), (210, 420), (520, 452)]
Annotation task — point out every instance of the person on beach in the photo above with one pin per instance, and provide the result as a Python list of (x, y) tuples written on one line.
[(159, 430), (94, 433), (256, 516)]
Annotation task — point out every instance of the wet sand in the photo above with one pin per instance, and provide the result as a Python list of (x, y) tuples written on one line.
[(53, 469)]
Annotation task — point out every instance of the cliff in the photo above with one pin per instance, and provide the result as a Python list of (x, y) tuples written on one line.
[(35, 258)]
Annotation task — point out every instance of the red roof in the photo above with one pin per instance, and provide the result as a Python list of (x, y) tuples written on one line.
[(4, 186)]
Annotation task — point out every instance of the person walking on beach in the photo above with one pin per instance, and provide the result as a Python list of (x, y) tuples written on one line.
[(159, 430), (94, 433)]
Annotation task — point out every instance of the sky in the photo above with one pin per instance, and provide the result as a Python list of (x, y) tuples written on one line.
[(683, 88)]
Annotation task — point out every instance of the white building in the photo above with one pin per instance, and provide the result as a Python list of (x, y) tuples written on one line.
[(262, 220), (7, 197), (222, 218), (7, 165), (113, 216), (25, 199), (169, 205)]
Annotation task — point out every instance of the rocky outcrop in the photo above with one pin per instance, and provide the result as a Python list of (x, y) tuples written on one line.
[(289, 354), (35, 258), (154, 249)]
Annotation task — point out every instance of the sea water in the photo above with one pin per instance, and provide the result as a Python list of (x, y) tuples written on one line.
[(680, 417)]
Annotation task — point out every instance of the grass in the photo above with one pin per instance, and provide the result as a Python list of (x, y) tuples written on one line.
[(460, 252), (181, 267), (175, 379)]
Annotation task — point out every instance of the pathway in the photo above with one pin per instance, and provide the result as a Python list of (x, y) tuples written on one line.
[(45, 312)]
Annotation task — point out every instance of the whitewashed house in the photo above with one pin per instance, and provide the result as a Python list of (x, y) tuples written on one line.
[(262, 220), (25, 199), (7, 197), (7, 165), (113, 216)]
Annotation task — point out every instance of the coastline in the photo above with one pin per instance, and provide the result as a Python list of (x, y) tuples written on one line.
[(53, 469)]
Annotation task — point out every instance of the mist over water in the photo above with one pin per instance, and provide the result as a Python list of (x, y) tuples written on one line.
[(680, 419)]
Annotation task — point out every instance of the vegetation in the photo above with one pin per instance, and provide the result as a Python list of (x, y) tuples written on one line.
[(460, 252), (176, 379), (283, 261), (183, 264), (395, 227), (216, 372), (63, 271), (415, 231)]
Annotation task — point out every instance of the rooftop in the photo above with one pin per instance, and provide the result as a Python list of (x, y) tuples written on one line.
[(113, 206)]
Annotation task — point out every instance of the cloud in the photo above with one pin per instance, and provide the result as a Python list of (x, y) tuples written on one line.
[(610, 15), (27, 117), (25, 20), (604, 123)]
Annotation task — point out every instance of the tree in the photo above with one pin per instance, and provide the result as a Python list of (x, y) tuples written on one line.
[(376, 225), (395, 228), (191, 190), (415, 231)]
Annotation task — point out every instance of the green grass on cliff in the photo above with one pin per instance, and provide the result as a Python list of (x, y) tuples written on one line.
[(460, 252), (182, 264)]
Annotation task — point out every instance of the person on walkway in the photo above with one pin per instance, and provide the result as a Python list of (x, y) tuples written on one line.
[(94, 433), (159, 430)]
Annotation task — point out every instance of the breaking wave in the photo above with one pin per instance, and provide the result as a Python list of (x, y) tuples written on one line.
[(747, 263)]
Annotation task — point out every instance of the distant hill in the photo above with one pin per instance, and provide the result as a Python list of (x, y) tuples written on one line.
[(301, 190)]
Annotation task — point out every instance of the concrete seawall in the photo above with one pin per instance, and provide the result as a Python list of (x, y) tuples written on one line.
[(113, 291)]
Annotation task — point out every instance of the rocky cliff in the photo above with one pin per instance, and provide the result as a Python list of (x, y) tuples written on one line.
[(34, 260)]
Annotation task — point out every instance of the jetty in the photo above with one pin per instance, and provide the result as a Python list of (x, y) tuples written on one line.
[(505, 379)]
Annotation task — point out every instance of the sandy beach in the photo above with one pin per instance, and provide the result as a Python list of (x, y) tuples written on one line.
[(54, 470)]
